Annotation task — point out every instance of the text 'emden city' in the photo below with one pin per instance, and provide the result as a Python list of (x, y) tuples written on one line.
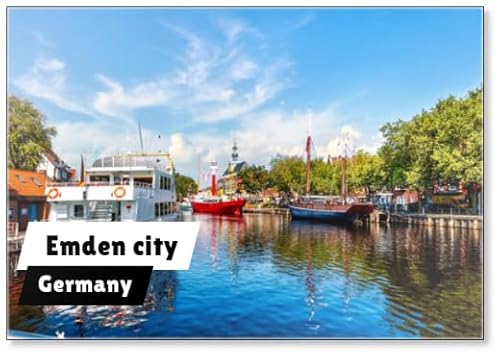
[(89, 247)]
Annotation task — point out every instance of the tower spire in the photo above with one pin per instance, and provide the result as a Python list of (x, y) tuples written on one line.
[(234, 155)]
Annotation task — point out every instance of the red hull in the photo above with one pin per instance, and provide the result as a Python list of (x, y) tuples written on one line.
[(233, 207)]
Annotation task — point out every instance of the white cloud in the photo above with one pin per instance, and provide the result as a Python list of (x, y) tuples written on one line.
[(120, 102), (42, 40), (181, 150), (51, 65), (47, 80), (243, 69), (233, 28), (302, 22), (207, 84), (260, 137), (93, 140), (211, 83)]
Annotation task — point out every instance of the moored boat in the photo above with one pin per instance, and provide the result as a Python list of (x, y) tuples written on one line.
[(328, 209), (185, 206), (130, 187), (217, 204), (335, 209)]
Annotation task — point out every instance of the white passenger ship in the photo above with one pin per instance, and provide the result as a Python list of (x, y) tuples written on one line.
[(132, 187)]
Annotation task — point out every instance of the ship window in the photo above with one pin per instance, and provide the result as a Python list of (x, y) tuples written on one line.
[(143, 181), (165, 183), (99, 178), (61, 211), (78, 211)]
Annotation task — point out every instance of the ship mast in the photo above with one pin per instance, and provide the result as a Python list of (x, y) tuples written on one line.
[(308, 158), (343, 176), (343, 188), (140, 136)]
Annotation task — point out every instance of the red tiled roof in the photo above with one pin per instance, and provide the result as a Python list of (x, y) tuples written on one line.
[(26, 183)]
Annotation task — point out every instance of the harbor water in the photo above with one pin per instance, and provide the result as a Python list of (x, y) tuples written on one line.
[(265, 276)]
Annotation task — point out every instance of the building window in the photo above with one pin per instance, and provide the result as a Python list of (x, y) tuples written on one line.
[(78, 211), (11, 213), (157, 209)]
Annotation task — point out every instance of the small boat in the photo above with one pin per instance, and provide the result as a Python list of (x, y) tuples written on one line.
[(185, 206), (217, 204), (340, 210)]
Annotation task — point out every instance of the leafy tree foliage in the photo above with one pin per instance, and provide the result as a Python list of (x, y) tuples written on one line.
[(184, 186), (325, 177), (444, 143), (254, 178), (288, 174), (28, 136), (366, 171)]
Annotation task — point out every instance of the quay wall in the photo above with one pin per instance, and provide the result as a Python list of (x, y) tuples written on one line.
[(276, 211), (438, 220)]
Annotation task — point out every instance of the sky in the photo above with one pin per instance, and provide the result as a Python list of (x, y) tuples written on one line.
[(199, 79)]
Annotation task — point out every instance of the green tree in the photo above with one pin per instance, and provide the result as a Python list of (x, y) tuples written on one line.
[(288, 174), (184, 186), (254, 178), (443, 143), (325, 177), (28, 135), (366, 171)]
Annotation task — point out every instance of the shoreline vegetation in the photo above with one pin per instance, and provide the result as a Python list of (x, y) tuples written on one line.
[(438, 147)]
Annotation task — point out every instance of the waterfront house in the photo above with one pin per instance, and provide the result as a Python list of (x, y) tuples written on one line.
[(27, 200), (397, 200), (55, 168), (405, 199)]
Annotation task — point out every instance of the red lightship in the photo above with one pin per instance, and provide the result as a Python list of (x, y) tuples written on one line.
[(221, 205)]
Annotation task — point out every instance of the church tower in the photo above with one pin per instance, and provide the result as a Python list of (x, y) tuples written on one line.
[(234, 155)]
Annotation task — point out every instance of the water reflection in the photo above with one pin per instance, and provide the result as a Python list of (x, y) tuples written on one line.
[(265, 276)]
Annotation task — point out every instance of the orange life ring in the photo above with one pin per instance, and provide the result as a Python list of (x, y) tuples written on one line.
[(119, 192), (53, 193)]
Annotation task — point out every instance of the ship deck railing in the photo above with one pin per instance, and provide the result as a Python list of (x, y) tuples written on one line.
[(98, 184)]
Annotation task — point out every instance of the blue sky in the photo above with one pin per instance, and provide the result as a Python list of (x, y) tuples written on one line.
[(199, 79)]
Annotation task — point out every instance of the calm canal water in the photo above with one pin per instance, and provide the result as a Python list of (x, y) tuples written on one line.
[(264, 276)]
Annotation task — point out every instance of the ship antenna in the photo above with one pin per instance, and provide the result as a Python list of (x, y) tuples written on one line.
[(140, 136)]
